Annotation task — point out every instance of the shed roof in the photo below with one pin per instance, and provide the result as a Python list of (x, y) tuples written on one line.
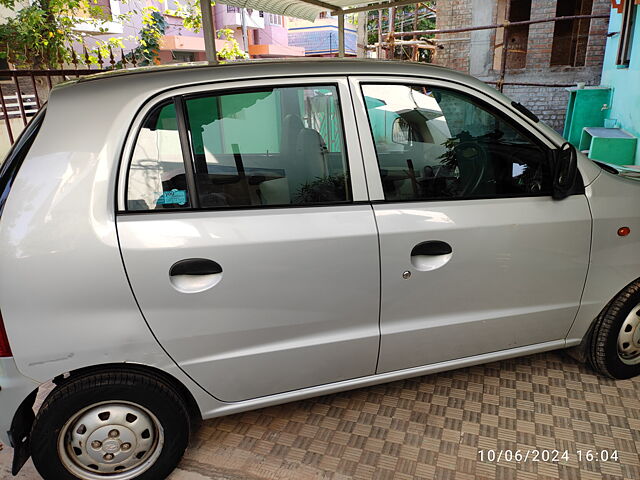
[(306, 9)]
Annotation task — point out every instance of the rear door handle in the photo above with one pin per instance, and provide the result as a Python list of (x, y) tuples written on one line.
[(195, 266), (195, 275), (432, 248), (431, 255)]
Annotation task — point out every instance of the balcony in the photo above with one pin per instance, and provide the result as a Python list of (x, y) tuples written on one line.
[(229, 16)]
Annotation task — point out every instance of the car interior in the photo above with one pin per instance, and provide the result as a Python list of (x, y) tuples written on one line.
[(437, 144), (284, 146), (292, 155)]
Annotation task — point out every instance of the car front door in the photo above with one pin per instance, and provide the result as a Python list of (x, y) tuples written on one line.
[(476, 255), (247, 235)]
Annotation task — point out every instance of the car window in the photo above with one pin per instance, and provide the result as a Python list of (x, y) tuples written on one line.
[(16, 155), (157, 179), (435, 143), (278, 146)]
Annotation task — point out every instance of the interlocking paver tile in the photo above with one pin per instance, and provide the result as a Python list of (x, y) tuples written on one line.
[(431, 427)]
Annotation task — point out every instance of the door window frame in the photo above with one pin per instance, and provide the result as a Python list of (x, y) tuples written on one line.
[(178, 95), (367, 143)]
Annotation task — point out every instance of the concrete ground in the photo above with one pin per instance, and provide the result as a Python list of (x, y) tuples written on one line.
[(542, 416)]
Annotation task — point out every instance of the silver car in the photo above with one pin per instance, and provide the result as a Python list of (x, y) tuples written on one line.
[(184, 243)]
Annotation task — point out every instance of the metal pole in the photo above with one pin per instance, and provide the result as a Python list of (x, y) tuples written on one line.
[(245, 39), (392, 20), (414, 54), (209, 31), (505, 48), (23, 113), (361, 37), (35, 90), (531, 84), (7, 120), (395, 3), (497, 25), (341, 35), (379, 47)]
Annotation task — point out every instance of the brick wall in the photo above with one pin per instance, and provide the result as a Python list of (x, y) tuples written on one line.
[(548, 103), (453, 14)]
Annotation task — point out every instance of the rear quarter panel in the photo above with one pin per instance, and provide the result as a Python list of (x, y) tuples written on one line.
[(64, 293)]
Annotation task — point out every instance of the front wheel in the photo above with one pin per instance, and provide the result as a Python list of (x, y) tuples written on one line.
[(110, 426), (615, 341)]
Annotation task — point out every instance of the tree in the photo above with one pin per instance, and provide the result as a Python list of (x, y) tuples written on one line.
[(42, 34), (146, 53), (231, 49), (191, 16), (404, 20)]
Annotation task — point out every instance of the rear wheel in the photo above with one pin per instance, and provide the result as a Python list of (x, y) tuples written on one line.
[(110, 426), (615, 341)]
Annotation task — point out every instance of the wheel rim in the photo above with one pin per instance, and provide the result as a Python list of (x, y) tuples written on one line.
[(110, 440), (629, 338)]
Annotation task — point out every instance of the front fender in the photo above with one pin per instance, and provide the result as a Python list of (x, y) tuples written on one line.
[(615, 260)]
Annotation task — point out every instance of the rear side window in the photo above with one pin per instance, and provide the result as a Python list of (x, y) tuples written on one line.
[(16, 155), (281, 146), (271, 147), (157, 178)]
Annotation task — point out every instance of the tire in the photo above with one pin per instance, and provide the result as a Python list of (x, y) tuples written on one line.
[(614, 348), (91, 418)]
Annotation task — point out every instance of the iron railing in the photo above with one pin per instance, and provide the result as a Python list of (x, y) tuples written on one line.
[(24, 91)]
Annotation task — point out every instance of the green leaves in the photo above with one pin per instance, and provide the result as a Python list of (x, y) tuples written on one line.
[(191, 16), (231, 49), (189, 12), (42, 34), (36, 35)]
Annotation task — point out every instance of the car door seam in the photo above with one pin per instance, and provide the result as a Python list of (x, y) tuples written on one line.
[(144, 318), (586, 276), (375, 222)]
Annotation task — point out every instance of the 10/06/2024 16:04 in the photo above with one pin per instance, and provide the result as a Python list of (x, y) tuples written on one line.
[(553, 456)]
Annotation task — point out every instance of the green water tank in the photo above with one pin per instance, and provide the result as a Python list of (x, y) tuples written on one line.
[(587, 108)]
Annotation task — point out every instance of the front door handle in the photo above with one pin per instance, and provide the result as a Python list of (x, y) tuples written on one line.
[(194, 275), (432, 247), (431, 255), (195, 266)]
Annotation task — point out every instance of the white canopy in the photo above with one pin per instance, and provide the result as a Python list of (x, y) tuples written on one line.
[(304, 9), (309, 9)]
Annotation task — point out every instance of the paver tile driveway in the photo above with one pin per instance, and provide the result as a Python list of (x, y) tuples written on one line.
[(432, 427)]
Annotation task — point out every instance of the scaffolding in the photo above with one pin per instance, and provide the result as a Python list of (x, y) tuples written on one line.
[(305, 9), (391, 41)]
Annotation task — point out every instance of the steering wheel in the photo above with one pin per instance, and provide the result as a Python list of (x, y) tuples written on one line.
[(472, 161)]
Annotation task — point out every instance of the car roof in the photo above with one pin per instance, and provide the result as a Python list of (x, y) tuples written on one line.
[(119, 88), (161, 77), (304, 65)]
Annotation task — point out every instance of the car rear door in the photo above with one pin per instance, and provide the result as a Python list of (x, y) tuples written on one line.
[(247, 236), (476, 255)]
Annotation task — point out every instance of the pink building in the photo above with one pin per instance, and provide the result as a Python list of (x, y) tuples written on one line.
[(266, 33)]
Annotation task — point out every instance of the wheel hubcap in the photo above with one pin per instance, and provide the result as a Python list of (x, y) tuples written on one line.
[(629, 338), (111, 440)]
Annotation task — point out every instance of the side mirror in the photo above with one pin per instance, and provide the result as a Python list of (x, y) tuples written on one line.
[(565, 171)]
